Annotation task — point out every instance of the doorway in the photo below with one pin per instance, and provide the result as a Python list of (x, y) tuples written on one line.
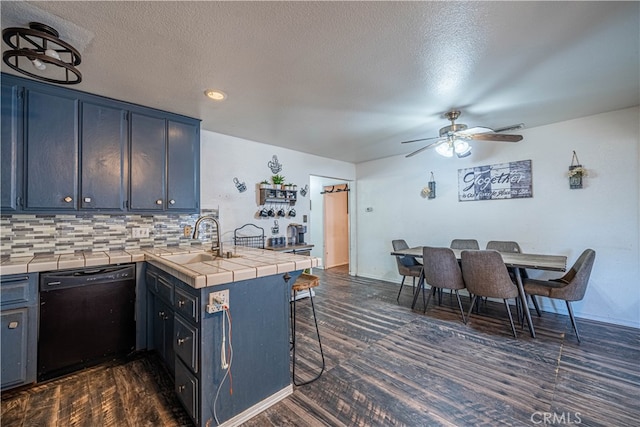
[(336, 225)]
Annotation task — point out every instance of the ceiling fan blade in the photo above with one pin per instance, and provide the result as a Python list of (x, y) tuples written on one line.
[(510, 128), (495, 137), (418, 140), (474, 130), (423, 148)]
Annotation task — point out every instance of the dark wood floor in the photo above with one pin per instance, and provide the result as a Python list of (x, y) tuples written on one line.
[(388, 365)]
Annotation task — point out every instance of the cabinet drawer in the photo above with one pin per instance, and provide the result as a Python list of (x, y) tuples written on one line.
[(15, 290), (186, 343), (187, 305), (165, 289), (19, 290), (187, 389)]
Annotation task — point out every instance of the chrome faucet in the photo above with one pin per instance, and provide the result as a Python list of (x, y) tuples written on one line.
[(216, 245)]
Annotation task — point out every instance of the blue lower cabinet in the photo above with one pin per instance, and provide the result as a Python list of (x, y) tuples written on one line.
[(186, 387), (259, 312), (19, 315)]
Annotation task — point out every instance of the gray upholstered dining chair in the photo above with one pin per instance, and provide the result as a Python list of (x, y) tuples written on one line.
[(512, 247), (486, 275), (442, 271), (570, 287), (464, 244), (407, 265)]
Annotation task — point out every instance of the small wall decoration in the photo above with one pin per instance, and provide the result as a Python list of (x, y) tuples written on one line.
[(576, 172), (304, 190), (241, 186), (501, 181), (276, 228), (274, 165), (430, 190)]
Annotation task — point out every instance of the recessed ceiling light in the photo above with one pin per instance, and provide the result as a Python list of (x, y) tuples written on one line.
[(215, 94)]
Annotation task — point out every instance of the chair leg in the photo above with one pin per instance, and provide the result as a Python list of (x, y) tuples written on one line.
[(413, 284), (400, 290), (424, 303), (573, 320), (433, 291), (513, 328), (460, 305), (315, 320), (535, 304), (473, 302)]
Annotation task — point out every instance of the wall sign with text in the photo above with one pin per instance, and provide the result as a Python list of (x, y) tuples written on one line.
[(502, 181)]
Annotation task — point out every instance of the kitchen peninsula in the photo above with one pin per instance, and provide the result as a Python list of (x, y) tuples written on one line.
[(176, 316)]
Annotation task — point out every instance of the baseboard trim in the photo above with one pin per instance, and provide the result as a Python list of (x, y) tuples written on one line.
[(258, 407)]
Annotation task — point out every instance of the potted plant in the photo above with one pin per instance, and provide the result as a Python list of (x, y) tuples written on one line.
[(278, 181), (288, 187), (265, 184)]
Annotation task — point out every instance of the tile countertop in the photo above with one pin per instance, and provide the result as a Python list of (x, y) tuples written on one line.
[(245, 263)]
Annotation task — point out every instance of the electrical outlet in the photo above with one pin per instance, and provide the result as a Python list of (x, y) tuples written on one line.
[(139, 232), (218, 301), (188, 230)]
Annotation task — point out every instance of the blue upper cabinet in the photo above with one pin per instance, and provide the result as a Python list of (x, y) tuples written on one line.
[(11, 144), (183, 174), (165, 171), (104, 157), (148, 168), (51, 156), (64, 150)]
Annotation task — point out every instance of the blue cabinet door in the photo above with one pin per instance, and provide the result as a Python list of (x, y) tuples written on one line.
[(183, 161), (11, 145), (14, 346), (51, 158), (148, 168), (104, 157)]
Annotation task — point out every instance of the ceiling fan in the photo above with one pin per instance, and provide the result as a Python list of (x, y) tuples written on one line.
[(454, 139)]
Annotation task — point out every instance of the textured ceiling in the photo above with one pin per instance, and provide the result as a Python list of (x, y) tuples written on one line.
[(350, 80)]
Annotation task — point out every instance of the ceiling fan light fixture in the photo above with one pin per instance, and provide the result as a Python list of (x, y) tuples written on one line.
[(445, 149), (39, 45), (461, 146)]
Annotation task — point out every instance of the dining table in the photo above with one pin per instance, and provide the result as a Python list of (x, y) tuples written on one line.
[(511, 259)]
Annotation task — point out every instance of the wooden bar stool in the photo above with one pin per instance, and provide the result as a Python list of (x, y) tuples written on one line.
[(303, 283)]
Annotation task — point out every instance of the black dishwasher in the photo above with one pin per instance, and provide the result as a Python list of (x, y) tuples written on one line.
[(86, 317)]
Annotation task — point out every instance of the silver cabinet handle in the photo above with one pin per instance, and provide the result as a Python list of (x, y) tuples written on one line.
[(159, 202), (68, 199), (181, 388), (181, 341), (181, 303), (87, 199), (172, 202), (161, 315)]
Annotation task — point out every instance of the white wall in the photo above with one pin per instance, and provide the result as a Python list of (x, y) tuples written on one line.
[(224, 157), (604, 215)]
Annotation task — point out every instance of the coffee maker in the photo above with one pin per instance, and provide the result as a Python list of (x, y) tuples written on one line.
[(299, 231)]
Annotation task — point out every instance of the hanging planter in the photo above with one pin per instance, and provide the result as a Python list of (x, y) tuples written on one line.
[(429, 191), (576, 173)]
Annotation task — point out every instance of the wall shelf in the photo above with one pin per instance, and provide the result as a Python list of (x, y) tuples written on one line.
[(271, 195)]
